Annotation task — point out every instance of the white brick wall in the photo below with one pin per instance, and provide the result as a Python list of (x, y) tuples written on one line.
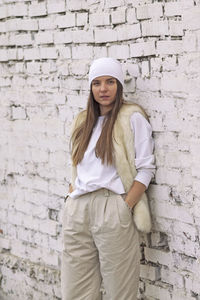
[(45, 52)]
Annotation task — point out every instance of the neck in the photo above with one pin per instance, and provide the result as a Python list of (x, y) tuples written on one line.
[(104, 110)]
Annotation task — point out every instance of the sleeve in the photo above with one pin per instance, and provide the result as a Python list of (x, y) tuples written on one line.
[(144, 147)]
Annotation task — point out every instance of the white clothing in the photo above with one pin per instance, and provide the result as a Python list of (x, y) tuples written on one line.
[(93, 175), (106, 66), (100, 242)]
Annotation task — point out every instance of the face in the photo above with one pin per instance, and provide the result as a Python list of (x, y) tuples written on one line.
[(104, 89)]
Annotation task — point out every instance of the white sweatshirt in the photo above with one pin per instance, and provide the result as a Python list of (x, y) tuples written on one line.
[(93, 175)]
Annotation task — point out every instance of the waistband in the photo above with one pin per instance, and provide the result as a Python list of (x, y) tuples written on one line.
[(103, 191)]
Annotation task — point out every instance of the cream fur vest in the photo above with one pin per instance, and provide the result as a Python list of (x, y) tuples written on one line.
[(124, 157)]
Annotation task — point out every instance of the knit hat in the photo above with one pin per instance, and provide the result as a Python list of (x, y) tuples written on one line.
[(106, 66)]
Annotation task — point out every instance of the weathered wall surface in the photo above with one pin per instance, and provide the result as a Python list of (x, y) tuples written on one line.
[(45, 51)]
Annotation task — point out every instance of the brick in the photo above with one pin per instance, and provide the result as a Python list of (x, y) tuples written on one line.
[(19, 67), (64, 52), (33, 67), (172, 278), (18, 113), (48, 53), (79, 68), (155, 28), (169, 47), (39, 184), (171, 177), (32, 53), (100, 52), (195, 184), (119, 51), (64, 37), (149, 11), (17, 248), (4, 243), (25, 234), (21, 39), (105, 35), (5, 82), (4, 40), (142, 49), (55, 7), (3, 12), (49, 227), (114, 3), (184, 246), (27, 25), (99, 19), (191, 18), (17, 10), (59, 98), (180, 294), (174, 83), (128, 32), (37, 9), (54, 126), (57, 159), (159, 239), (131, 16), (150, 272), (15, 219), (157, 292), (173, 9), (57, 189), (47, 23), (81, 19), (175, 28), (119, 16), (11, 24), (44, 38), (145, 69), (133, 69), (198, 42), (158, 256), (55, 244), (3, 55), (66, 21), (172, 212), (186, 230), (178, 160), (76, 101), (82, 36), (151, 84), (3, 27), (76, 5), (189, 42)]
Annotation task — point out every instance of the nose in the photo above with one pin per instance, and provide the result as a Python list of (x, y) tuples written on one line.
[(103, 86)]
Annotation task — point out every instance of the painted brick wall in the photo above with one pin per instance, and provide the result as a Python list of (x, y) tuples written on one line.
[(45, 51)]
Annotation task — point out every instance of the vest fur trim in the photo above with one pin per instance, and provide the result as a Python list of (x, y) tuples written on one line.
[(124, 160)]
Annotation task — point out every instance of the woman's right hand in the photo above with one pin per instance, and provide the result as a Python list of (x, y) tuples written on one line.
[(70, 188)]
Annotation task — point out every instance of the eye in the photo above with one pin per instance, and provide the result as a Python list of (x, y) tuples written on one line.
[(95, 83), (111, 81)]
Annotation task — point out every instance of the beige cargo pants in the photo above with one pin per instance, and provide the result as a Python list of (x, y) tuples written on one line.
[(100, 243)]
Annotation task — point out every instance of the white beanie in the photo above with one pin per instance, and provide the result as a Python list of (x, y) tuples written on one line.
[(106, 66)]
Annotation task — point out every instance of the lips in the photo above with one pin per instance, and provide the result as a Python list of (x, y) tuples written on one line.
[(104, 97)]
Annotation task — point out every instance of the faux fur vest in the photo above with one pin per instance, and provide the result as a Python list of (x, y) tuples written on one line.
[(124, 159)]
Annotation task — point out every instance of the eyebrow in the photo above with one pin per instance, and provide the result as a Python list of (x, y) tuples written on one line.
[(97, 80)]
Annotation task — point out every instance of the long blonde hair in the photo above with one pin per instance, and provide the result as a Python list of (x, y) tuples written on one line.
[(82, 134)]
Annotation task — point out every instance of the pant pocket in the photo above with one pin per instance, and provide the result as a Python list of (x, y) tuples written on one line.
[(124, 213)]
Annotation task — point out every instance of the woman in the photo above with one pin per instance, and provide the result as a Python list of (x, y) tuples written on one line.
[(111, 171)]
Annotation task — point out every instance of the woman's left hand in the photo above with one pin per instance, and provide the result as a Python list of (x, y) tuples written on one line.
[(135, 193)]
